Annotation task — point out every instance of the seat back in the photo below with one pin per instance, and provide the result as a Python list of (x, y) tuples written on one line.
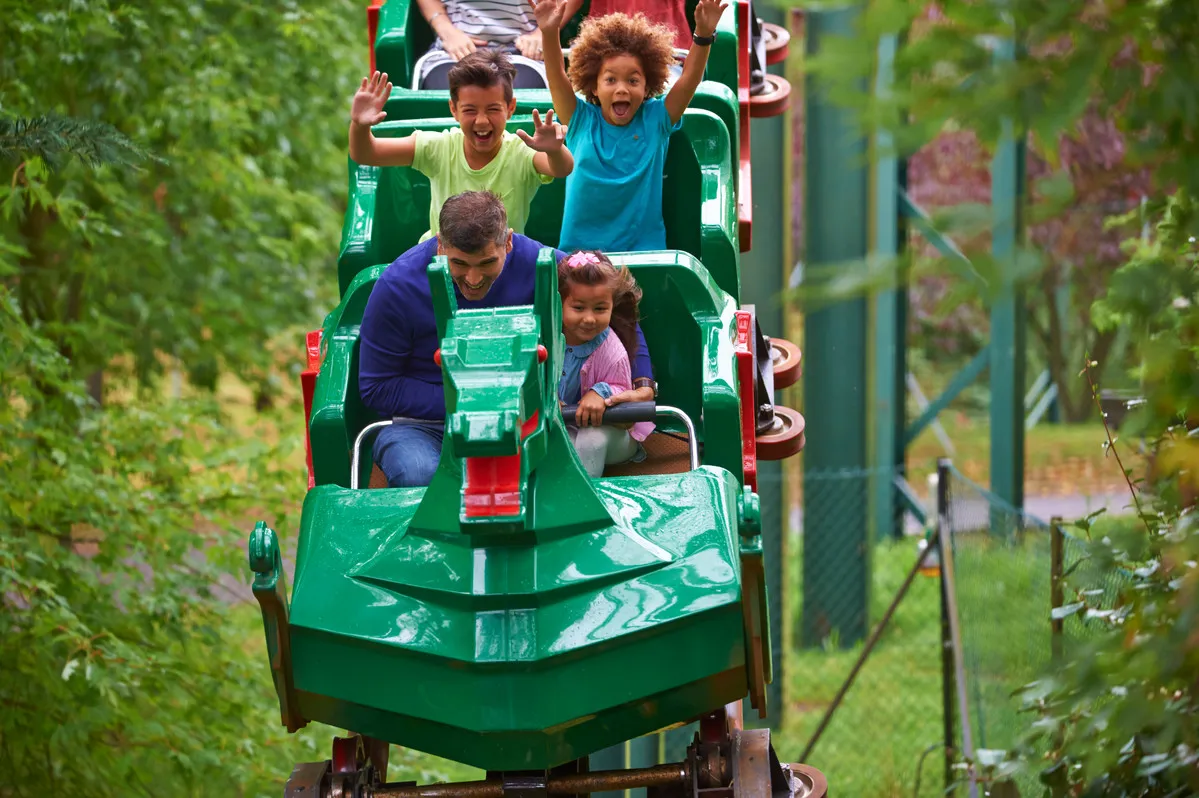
[(388, 208), (403, 37)]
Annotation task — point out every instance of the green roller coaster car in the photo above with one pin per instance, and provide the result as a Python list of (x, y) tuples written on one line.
[(494, 617), (516, 615)]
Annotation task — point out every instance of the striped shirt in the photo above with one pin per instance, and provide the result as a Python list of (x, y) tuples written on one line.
[(496, 21)]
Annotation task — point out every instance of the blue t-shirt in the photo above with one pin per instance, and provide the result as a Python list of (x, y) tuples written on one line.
[(614, 194), (398, 336)]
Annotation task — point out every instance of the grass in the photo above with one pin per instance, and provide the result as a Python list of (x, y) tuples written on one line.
[(891, 718)]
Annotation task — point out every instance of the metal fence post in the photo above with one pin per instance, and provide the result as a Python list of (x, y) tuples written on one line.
[(1056, 595), (947, 676)]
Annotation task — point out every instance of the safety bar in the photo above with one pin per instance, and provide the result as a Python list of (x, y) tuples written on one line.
[(629, 413), (632, 412)]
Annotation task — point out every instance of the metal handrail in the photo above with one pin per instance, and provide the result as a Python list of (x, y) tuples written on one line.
[(665, 410)]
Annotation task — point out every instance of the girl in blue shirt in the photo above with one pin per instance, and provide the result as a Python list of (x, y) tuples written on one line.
[(620, 132)]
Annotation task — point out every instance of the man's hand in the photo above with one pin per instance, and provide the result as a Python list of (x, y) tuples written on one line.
[(548, 136), (549, 14), (635, 395), (459, 45), (529, 45), (707, 16), (591, 410), (367, 108)]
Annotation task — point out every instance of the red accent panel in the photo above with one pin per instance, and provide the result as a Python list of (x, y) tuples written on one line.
[(745, 205), (492, 486), (493, 483), (308, 386), (372, 27), (746, 380), (527, 428)]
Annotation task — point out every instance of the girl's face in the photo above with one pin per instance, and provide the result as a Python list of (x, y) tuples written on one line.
[(586, 312), (620, 88)]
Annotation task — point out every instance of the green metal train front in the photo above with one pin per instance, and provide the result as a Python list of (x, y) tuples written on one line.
[(567, 615)]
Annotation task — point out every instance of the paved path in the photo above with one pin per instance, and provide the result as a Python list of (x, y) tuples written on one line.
[(1040, 508)]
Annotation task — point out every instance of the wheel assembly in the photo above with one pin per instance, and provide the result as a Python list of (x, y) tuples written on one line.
[(777, 40), (785, 436), (774, 98), (785, 358), (724, 760)]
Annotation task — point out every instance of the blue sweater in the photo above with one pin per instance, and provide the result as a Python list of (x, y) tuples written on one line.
[(396, 372)]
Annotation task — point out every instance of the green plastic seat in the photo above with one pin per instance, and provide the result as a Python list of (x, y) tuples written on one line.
[(388, 207), (471, 635), (686, 319)]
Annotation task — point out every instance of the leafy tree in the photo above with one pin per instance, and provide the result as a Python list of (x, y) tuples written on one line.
[(227, 236), (172, 187), (1119, 716)]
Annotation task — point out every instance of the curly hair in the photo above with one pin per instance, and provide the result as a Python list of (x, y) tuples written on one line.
[(601, 38), (626, 294)]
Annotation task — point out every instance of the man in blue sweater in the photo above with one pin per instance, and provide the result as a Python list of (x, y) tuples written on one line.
[(491, 267)]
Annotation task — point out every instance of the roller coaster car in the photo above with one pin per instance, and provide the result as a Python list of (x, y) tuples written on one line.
[(516, 615)]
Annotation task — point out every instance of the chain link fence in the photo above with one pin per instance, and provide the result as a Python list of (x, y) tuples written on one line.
[(865, 671), (885, 693)]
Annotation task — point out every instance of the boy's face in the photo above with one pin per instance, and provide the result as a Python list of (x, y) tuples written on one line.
[(483, 114), (620, 88)]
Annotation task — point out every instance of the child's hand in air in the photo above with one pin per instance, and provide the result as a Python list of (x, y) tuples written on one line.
[(367, 108), (591, 410), (548, 137), (707, 16), (549, 14)]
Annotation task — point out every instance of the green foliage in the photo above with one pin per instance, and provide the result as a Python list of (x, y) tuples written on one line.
[(53, 139), (1119, 715), (172, 189), (213, 246)]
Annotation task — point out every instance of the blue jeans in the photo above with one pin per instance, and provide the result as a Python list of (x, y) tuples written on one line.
[(407, 452)]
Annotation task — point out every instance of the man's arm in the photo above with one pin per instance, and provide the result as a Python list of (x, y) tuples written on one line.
[(385, 350), (366, 112), (643, 367), (707, 15)]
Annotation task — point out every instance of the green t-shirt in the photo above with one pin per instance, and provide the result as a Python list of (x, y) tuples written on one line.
[(510, 175)]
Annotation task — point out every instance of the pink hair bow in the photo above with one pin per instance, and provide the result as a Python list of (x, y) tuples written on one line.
[(581, 258)]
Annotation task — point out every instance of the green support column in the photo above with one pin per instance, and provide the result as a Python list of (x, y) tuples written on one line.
[(836, 568), (763, 280), (889, 324), (1008, 345)]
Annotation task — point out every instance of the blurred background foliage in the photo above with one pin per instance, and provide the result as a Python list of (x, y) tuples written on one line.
[(1101, 92)]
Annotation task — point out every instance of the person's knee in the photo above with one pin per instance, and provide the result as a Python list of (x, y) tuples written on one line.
[(407, 456)]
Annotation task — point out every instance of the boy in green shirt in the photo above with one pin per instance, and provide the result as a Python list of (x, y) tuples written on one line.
[(480, 154)]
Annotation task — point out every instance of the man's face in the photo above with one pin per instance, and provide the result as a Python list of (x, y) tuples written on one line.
[(475, 272), (483, 114)]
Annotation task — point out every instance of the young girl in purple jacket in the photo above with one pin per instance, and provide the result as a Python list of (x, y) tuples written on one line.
[(599, 318)]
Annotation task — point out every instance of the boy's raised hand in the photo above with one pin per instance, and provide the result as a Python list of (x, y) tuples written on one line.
[(707, 16), (549, 13), (548, 136), (367, 109)]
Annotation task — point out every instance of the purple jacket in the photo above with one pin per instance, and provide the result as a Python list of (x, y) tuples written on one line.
[(610, 364)]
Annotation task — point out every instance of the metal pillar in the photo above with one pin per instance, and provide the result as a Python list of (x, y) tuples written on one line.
[(836, 559), (1008, 344), (889, 321), (763, 278)]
